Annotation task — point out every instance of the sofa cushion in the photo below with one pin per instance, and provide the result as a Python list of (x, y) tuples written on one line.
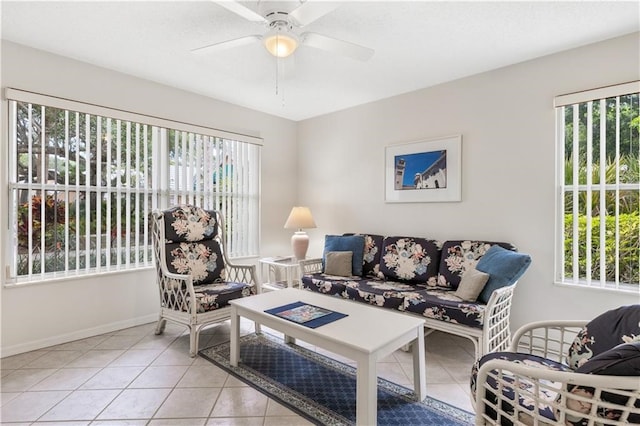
[(471, 284), (188, 223), (410, 259), (202, 260), (352, 243), (607, 330), (387, 294), (460, 255), (372, 254), (325, 284), (338, 263), (504, 268), (443, 305)]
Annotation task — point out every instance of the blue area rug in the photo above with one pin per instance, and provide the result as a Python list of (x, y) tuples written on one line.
[(323, 390)]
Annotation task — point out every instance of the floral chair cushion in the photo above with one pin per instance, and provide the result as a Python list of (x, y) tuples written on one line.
[(622, 360), (460, 255), (546, 410), (202, 260), (410, 259), (214, 296), (614, 327), (443, 305), (189, 223)]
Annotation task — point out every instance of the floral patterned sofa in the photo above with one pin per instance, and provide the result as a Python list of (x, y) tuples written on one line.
[(570, 372), (423, 277)]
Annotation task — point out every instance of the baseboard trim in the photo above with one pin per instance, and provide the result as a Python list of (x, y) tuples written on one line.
[(76, 335)]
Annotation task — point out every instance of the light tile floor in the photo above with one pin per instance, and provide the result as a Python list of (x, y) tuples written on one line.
[(133, 377)]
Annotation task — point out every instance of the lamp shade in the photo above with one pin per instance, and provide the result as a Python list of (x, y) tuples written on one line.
[(300, 218)]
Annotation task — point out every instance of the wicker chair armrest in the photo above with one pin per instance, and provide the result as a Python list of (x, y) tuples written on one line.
[(310, 266), (242, 273), (549, 339), (533, 382)]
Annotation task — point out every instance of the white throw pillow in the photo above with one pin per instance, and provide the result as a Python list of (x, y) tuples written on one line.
[(471, 284), (338, 263)]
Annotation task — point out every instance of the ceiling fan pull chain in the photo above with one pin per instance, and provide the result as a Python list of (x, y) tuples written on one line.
[(277, 73)]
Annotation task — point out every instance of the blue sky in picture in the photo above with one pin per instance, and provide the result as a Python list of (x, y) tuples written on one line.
[(416, 163)]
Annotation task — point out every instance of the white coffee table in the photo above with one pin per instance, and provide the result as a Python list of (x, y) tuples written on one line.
[(366, 335)]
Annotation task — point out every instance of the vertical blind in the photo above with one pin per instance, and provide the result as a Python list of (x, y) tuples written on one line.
[(84, 178)]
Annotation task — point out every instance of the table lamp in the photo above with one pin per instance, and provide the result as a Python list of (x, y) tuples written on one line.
[(300, 218)]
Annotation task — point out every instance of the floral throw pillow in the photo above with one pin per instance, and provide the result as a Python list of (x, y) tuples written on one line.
[(460, 255), (188, 223), (410, 259)]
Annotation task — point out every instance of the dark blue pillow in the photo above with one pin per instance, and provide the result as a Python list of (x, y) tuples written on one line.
[(622, 360), (352, 243), (504, 268)]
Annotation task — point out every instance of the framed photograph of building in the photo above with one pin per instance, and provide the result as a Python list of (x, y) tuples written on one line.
[(424, 171)]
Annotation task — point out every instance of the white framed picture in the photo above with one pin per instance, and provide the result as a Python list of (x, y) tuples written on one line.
[(424, 171)]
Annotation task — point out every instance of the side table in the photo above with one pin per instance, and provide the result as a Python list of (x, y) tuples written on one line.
[(279, 272)]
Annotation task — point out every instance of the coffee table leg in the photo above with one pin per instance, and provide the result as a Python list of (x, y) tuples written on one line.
[(235, 337), (419, 368), (366, 392)]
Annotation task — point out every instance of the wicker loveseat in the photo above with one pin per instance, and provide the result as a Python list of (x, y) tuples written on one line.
[(574, 373), (424, 277), (195, 277)]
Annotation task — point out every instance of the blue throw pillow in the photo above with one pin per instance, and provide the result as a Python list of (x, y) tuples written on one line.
[(352, 243), (504, 268)]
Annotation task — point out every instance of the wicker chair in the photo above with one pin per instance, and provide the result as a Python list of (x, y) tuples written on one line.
[(195, 278), (599, 384)]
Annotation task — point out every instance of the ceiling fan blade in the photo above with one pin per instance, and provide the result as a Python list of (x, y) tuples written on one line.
[(309, 11), (330, 44), (241, 10), (242, 41)]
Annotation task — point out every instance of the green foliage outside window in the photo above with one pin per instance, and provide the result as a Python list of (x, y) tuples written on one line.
[(629, 244)]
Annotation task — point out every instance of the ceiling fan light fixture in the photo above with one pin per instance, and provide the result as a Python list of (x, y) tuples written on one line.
[(280, 44)]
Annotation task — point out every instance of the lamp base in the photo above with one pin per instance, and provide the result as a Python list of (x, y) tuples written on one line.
[(300, 244)]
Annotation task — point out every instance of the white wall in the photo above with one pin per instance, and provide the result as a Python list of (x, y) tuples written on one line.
[(40, 315), (507, 122)]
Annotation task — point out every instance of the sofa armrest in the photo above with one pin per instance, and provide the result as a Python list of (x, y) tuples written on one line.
[(310, 266), (548, 339), (496, 330), (539, 388)]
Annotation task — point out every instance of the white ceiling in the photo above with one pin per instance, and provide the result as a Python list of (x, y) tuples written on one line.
[(417, 44)]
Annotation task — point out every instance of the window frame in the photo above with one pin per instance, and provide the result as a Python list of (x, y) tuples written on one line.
[(570, 100), (161, 196)]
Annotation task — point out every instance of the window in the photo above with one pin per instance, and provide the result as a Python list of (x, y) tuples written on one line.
[(83, 180), (598, 180)]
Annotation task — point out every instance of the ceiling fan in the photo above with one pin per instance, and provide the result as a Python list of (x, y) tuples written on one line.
[(283, 37)]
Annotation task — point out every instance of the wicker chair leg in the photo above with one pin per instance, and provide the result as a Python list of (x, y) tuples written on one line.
[(160, 326), (194, 337)]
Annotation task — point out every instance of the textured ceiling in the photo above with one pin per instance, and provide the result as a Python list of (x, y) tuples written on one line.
[(417, 44)]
